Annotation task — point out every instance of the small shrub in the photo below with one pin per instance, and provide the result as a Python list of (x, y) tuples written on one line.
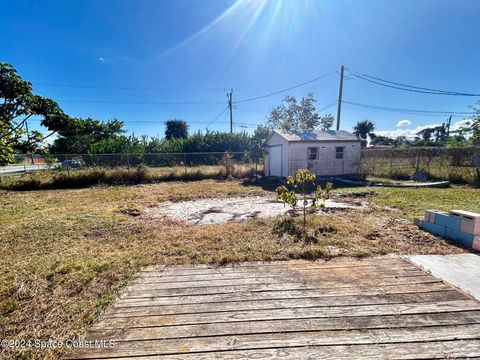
[(324, 230), (286, 226), (303, 182)]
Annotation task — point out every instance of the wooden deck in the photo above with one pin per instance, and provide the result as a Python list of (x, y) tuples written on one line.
[(380, 308)]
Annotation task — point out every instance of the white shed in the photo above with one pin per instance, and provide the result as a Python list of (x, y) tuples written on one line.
[(325, 153)]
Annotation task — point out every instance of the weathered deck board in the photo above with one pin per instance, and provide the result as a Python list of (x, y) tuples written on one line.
[(131, 331), (425, 350), (128, 308), (224, 289), (295, 312), (379, 308), (285, 294)]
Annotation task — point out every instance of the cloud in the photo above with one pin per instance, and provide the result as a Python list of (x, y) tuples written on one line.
[(412, 133), (404, 123), (101, 59), (459, 124)]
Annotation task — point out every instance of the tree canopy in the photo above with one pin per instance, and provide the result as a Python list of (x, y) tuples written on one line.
[(298, 115), (84, 133), (18, 104), (363, 128), (176, 129)]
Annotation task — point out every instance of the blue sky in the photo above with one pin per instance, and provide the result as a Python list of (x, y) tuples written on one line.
[(193, 51)]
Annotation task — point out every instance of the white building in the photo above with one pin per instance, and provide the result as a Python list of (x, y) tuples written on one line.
[(325, 153)]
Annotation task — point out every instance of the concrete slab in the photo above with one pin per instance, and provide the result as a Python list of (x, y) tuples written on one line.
[(460, 270)]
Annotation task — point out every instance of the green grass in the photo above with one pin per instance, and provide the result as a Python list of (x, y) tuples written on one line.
[(402, 169), (414, 202), (66, 252)]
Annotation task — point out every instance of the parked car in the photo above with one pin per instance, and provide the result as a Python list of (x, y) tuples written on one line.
[(72, 163)]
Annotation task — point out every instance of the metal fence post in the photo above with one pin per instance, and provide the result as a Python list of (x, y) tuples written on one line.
[(68, 166), (226, 164), (185, 162), (476, 161), (128, 162)]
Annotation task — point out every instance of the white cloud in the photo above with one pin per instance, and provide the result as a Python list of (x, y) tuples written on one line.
[(51, 139), (412, 133), (459, 124), (404, 123), (101, 59)]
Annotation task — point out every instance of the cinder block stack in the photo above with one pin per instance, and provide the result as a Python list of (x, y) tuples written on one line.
[(462, 227)]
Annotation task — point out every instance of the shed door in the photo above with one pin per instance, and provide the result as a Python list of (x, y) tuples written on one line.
[(275, 161)]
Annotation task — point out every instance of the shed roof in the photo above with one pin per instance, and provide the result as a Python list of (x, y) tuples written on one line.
[(317, 135)]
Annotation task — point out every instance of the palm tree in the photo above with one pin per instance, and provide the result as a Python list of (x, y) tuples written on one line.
[(363, 128)]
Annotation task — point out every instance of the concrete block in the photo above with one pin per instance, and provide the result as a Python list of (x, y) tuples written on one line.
[(448, 221), (476, 243), (418, 222), (430, 215), (426, 217), (470, 221), (466, 214), (469, 226), (438, 230), (459, 237)]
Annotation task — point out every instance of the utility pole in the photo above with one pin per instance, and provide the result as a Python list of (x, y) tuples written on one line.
[(448, 129), (230, 107), (340, 93)]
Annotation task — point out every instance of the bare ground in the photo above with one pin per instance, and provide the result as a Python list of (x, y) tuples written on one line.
[(222, 210)]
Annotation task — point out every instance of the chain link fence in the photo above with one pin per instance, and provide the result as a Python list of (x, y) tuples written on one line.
[(460, 165), (235, 164)]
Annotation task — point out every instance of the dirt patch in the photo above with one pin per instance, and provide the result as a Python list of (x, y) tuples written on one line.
[(222, 210), (130, 212), (407, 238), (356, 199)]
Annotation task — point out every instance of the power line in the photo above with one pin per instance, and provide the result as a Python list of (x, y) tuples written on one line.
[(413, 111), (216, 117), (146, 121), (142, 102), (125, 88), (326, 107), (410, 88), (284, 90)]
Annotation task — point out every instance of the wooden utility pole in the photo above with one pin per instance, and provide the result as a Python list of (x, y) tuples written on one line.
[(340, 93), (448, 129), (230, 107)]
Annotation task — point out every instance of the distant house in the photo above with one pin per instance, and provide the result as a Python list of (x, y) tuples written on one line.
[(325, 153)]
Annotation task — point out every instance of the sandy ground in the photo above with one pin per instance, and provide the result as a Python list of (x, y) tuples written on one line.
[(219, 211)]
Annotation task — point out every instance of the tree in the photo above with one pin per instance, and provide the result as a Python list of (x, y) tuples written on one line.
[(17, 105), (440, 133), (401, 141), (381, 140), (176, 129), (294, 115), (474, 127), (363, 128), (83, 133), (326, 122), (303, 182), (426, 134), (259, 136)]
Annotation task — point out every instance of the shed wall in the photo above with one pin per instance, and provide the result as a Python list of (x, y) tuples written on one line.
[(277, 140), (326, 163)]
